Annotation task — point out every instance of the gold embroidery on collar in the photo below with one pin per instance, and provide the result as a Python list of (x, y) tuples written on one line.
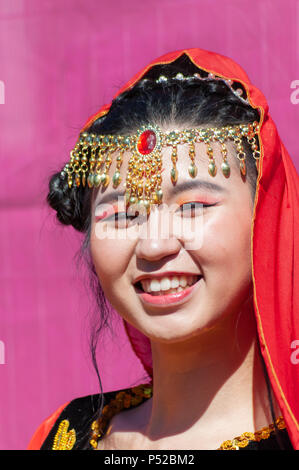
[(247, 437), (64, 439), (133, 396)]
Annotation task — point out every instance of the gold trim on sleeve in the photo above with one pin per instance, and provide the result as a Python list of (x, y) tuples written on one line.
[(64, 439)]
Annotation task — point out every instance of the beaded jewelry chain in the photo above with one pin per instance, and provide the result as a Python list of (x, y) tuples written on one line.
[(257, 436), (93, 155), (123, 400), (132, 397)]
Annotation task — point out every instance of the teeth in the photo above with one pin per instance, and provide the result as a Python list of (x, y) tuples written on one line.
[(154, 285), (165, 284), (183, 281), (171, 284), (175, 282)]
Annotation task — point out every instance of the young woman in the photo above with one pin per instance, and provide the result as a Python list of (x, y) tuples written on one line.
[(189, 202)]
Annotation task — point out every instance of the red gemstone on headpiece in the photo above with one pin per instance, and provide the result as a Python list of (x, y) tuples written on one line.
[(146, 142)]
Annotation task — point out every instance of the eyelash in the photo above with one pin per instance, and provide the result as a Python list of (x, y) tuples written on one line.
[(116, 214)]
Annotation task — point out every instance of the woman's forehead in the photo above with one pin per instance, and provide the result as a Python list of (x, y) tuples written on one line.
[(149, 165)]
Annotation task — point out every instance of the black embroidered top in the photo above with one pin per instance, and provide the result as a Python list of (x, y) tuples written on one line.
[(72, 429)]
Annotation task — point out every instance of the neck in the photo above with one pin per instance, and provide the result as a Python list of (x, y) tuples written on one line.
[(214, 381)]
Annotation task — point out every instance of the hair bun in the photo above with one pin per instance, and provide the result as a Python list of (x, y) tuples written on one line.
[(67, 202)]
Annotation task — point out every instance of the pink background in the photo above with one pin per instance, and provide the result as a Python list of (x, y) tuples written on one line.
[(59, 62)]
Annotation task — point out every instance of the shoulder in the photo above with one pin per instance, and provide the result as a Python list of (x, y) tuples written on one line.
[(44, 428), (68, 426)]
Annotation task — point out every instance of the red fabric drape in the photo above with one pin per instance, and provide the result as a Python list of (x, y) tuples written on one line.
[(274, 244), (43, 430)]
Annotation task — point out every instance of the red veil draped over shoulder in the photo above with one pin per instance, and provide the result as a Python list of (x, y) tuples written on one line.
[(274, 244)]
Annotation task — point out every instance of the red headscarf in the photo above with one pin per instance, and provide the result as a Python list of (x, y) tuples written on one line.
[(274, 244)]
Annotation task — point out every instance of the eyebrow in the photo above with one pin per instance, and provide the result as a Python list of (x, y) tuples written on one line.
[(178, 188)]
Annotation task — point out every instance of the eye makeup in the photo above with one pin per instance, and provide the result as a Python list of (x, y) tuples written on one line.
[(201, 199), (105, 211), (108, 210)]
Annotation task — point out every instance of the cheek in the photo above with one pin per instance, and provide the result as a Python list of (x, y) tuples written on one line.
[(110, 258), (227, 242)]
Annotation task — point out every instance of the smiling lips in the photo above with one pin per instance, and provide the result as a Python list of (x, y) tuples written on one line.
[(167, 289)]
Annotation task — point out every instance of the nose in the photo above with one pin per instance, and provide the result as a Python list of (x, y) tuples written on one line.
[(156, 239), (156, 249)]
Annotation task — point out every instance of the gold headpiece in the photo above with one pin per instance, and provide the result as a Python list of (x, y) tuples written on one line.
[(91, 158)]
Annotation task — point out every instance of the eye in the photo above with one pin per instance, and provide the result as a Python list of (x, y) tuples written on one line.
[(120, 216), (121, 219), (189, 208)]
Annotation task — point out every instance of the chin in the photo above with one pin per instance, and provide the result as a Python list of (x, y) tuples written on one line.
[(174, 327)]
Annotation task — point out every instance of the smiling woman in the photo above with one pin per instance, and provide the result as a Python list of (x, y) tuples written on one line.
[(197, 257)]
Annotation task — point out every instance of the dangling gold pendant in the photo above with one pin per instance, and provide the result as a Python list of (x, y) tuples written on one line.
[(192, 170), (225, 169), (212, 169), (174, 175), (77, 179), (243, 167), (96, 180), (158, 195), (116, 179), (105, 179), (90, 180)]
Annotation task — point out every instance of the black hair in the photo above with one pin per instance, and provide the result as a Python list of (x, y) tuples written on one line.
[(192, 103)]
